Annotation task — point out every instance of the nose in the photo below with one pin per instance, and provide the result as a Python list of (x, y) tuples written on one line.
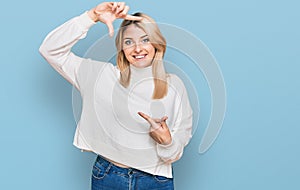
[(137, 48)]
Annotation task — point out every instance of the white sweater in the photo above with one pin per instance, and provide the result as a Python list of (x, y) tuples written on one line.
[(109, 123)]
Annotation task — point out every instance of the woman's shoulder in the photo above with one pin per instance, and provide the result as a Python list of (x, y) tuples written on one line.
[(95, 65), (92, 68), (175, 81)]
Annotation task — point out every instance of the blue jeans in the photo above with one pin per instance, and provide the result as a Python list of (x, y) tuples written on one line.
[(107, 176)]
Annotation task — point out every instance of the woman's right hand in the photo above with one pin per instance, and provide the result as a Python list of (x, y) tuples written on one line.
[(108, 12)]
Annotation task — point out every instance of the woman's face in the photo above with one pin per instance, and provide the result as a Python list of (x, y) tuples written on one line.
[(137, 48)]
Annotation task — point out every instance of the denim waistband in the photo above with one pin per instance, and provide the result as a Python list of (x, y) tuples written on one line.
[(119, 170)]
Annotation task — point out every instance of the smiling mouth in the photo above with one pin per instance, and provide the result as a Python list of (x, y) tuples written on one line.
[(139, 56)]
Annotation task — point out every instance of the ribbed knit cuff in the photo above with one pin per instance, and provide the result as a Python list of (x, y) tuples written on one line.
[(169, 151)]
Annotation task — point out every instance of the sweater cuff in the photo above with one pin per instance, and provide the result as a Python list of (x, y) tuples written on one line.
[(167, 151), (85, 21), (166, 146)]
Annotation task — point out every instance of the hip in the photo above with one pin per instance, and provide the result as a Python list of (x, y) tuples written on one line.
[(106, 175)]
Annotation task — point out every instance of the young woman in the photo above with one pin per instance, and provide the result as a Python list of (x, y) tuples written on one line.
[(135, 116)]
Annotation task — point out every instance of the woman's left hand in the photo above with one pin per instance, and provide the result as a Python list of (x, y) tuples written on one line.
[(159, 130)]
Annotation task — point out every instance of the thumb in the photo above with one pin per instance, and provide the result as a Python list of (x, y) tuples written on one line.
[(163, 121), (110, 28), (164, 118)]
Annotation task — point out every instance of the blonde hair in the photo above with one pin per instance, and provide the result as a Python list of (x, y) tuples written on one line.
[(156, 38)]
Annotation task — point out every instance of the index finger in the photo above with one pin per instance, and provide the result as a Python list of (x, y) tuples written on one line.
[(147, 118), (130, 17), (143, 115)]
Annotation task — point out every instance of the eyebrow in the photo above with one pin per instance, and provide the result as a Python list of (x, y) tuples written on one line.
[(127, 38)]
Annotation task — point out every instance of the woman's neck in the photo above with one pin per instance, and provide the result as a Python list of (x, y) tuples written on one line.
[(140, 72)]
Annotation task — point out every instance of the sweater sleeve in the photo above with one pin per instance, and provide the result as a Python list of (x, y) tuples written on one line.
[(56, 47), (181, 132)]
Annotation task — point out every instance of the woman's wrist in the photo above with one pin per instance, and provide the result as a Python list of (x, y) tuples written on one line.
[(93, 15), (168, 143)]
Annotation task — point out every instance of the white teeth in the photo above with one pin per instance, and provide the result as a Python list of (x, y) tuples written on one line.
[(139, 56)]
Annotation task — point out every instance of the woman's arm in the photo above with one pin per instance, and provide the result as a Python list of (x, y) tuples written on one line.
[(170, 143), (181, 132), (56, 48)]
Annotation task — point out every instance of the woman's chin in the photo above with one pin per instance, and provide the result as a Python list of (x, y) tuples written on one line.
[(141, 64)]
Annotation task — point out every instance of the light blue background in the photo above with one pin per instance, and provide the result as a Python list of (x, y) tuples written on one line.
[(256, 44)]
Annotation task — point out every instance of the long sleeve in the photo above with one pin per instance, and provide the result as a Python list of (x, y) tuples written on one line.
[(56, 47), (182, 131)]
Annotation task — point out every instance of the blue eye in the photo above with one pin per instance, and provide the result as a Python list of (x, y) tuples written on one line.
[(146, 40), (127, 42)]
